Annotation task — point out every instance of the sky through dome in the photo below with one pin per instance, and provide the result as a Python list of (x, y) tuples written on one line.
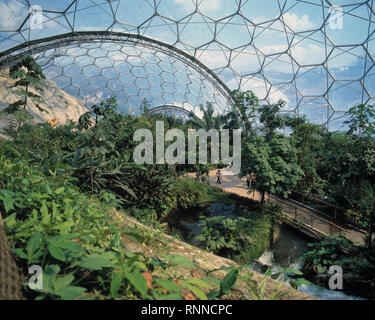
[(317, 55)]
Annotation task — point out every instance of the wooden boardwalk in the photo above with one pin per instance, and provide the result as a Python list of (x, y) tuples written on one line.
[(298, 215)]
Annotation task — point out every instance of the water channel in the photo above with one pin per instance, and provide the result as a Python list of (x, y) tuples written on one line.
[(285, 252)]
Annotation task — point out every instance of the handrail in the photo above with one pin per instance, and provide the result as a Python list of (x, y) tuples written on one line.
[(327, 204), (309, 214), (317, 199)]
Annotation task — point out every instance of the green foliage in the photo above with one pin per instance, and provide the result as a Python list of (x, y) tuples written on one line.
[(242, 238), (326, 253), (208, 121), (221, 234), (307, 139), (77, 242), (153, 188), (28, 75), (275, 164), (271, 118), (258, 290), (188, 193), (361, 120), (244, 110)]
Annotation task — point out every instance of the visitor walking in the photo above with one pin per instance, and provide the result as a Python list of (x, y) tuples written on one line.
[(248, 181), (218, 177), (253, 178)]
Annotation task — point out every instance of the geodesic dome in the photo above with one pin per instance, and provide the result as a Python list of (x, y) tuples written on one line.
[(318, 55)]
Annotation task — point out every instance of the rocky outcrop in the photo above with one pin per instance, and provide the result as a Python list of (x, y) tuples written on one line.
[(59, 105)]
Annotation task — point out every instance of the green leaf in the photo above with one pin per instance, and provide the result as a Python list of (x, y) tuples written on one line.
[(116, 283), (180, 261), (56, 252), (32, 245), (59, 190), (228, 282), (63, 282), (158, 263), (170, 296), (95, 263), (71, 293), (70, 245), (49, 276), (20, 253), (137, 281), (213, 294), (200, 283), (134, 236), (196, 291), (8, 204), (168, 285)]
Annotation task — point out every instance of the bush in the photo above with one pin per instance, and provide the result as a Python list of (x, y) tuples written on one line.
[(242, 239), (189, 192)]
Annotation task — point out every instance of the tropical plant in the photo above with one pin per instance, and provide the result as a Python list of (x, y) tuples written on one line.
[(258, 290), (245, 108), (78, 243), (28, 76), (208, 121), (361, 120), (221, 235), (275, 165)]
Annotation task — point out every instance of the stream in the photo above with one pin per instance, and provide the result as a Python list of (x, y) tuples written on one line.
[(286, 251)]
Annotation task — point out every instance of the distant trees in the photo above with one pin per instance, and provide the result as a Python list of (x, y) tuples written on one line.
[(209, 119)]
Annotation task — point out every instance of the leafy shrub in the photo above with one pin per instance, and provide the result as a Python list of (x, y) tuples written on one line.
[(153, 188), (221, 235), (242, 238), (326, 253), (189, 192)]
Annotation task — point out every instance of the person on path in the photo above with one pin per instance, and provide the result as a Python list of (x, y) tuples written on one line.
[(248, 181), (218, 177)]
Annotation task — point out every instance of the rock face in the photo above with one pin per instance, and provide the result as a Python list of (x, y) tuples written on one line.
[(60, 106)]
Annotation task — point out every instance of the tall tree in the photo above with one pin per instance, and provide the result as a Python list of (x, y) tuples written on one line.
[(307, 138), (361, 120), (208, 121), (271, 118), (245, 108), (28, 75), (274, 163), (271, 156)]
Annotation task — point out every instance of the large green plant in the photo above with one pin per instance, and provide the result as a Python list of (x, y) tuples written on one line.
[(222, 235), (28, 75), (275, 164), (245, 109), (361, 120)]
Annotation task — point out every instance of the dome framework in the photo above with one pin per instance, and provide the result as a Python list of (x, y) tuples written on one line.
[(318, 55)]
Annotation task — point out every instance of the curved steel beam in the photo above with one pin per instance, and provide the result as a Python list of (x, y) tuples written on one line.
[(9, 56), (168, 108)]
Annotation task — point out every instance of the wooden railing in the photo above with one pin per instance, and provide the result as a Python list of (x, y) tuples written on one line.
[(333, 210), (307, 218)]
